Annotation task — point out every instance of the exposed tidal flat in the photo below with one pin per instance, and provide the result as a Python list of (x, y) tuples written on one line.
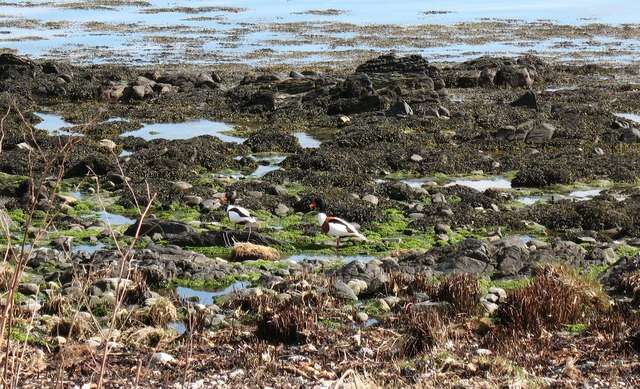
[(490, 161)]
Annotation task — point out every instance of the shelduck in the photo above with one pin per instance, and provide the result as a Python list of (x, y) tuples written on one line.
[(334, 226), (237, 214)]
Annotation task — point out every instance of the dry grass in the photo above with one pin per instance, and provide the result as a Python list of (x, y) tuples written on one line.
[(422, 332), (556, 297), (251, 252), (158, 311), (281, 322), (462, 291), (630, 282)]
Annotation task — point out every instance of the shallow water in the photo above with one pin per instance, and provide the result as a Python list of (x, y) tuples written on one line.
[(185, 130), (113, 219), (578, 195), (88, 248), (262, 170), (483, 184), (208, 297), (144, 35), (307, 141), (54, 124), (634, 117), (586, 194), (329, 258)]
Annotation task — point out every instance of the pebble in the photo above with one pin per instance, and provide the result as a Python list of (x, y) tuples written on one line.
[(442, 228), (182, 185), (107, 144), (193, 200), (489, 306), (416, 158), (371, 199), (362, 317), (357, 286), (162, 358), (499, 292), (343, 120), (282, 210)]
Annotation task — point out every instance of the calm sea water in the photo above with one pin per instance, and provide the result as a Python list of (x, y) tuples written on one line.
[(146, 33)]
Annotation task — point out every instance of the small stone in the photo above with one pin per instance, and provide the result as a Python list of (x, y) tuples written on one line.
[(416, 158), (429, 305), (483, 351), (493, 298), (587, 239), (357, 286), (28, 288), (107, 144), (211, 204), (443, 111), (182, 186), (442, 237), (343, 120), (362, 317), (417, 215), (501, 293), (392, 301), (282, 210), (193, 200), (598, 151), (30, 306), (343, 291), (438, 198), (371, 199), (489, 307), (383, 305), (162, 358), (442, 228), (446, 212), (138, 91)]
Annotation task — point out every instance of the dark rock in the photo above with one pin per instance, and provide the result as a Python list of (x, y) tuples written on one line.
[(514, 77), (541, 133), (168, 228), (355, 86), (273, 140), (401, 108), (630, 135), (528, 99), (343, 291), (263, 100)]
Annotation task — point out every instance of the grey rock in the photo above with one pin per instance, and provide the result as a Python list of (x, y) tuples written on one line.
[(343, 291), (401, 108), (282, 210), (541, 133), (630, 135), (528, 99), (501, 293), (489, 307), (361, 317)]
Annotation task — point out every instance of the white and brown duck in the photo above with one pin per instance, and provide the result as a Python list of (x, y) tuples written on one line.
[(335, 226), (236, 213)]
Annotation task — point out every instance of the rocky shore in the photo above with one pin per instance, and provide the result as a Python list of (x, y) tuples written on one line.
[(499, 197)]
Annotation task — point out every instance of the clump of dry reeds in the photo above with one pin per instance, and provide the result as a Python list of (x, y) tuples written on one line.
[(282, 322), (556, 297), (422, 332)]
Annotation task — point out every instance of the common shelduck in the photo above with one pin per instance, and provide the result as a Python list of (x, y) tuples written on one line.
[(237, 214), (334, 226)]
